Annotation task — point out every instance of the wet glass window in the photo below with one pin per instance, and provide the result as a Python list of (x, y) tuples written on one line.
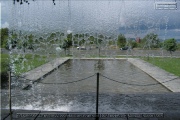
[(58, 55)]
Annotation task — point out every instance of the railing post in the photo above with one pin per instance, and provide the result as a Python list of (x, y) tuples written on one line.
[(10, 109), (97, 97)]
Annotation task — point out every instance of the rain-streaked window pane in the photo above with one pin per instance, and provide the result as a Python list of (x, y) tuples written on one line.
[(55, 51)]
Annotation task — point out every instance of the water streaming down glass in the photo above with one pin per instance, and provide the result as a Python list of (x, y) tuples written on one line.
[(45, 31)]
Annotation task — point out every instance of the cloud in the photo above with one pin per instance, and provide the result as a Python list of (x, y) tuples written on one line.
[(5, 25), (177, 30)]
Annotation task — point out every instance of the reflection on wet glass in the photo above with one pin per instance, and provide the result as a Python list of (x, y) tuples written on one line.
[(40, 31)]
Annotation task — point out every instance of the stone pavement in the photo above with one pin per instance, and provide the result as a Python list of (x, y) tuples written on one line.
[(43, 70), (158, 74)]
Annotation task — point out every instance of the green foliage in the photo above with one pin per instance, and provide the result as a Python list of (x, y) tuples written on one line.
[(75, 39), (25, 42), (99, 41), (91, 39), (28, 62), (11, 43), (4, 32), (151, 40), (161, 44), (22, 63), (111, 42), (81, 35), (101, 36), (169, 64), (76, 35), (132, 43), (170, 45), (4, 63), (69, 37), (16, 41), (30, 42), (53, 35), (87, 34), (67, 43), (4, 36), (81, 42), (62, 34), (121, 42)]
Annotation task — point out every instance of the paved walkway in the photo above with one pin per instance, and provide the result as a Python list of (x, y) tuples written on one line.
[(43, 70), (159, 74)]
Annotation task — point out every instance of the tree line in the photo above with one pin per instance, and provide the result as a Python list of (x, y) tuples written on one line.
[(65, 41)]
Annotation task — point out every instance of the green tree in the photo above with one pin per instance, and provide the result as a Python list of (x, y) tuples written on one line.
[(101, 36), (61, 34), (69, 38), (75, 39), (170, 45), (91, 39), (30, 42), (53, 35), (67, 43), (76, 35), (86, 34), (12, 41), (151, 40), (25, 42), (4, 36), (121, 42), (52, 38), (22, 43), (100, 39), (82, 41), (133, 44), (81, 35)]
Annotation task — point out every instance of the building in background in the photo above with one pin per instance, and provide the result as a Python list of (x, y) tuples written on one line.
[(138, 39)]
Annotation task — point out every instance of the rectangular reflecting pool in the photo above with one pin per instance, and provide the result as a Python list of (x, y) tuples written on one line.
[(116, 76)]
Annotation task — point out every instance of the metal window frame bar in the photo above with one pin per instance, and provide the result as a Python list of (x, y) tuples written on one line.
[(165, 5)]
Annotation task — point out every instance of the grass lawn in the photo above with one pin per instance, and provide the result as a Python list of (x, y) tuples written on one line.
[(21, 63), (171, 65)]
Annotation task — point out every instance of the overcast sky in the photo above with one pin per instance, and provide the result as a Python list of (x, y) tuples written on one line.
[(133, 18)]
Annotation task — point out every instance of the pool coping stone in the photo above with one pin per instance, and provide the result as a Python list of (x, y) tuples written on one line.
[(43, 70), (169, 80)]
